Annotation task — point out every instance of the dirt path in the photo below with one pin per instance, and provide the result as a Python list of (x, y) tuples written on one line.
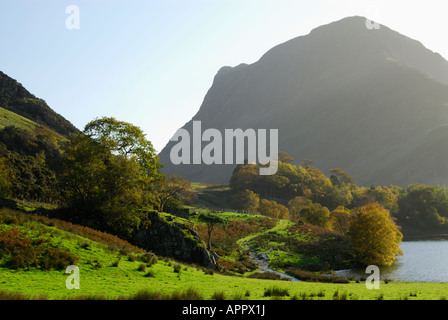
[(261, 258)]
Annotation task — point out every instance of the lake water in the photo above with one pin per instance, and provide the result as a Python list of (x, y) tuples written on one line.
[(424, 261)]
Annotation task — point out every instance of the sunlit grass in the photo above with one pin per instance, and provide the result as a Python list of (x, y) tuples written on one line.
[(110, 273)]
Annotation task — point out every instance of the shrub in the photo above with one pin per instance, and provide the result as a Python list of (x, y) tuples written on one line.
[(150, 274), (85, 246), (219, 296), (57, 258), (20, 250), (275, 292), (114, 243), (241, 296), (96, 264), (189, 294), (337, 296), (208, 271), (148, 258), (132, 257), (4, 295), (177, 268), (116, 263), (142, 267)]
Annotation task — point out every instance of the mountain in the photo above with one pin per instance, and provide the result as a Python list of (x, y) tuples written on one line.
[(15, 98), (373, 103)]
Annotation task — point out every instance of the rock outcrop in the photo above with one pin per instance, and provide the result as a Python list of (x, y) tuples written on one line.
[(168, 237)]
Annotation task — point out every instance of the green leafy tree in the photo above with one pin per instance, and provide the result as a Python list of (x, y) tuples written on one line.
[(340, 220), (385, 196), (284, 157), (304, 210), (244, 177), (273, 209), (6, 178), (339, 176), (316, 214), (102, 187), (338, 195), (246, 200), (31, 179), (296, 205), (126, 140), (172, 189), (84, 173), (211, 221), (423, 206)]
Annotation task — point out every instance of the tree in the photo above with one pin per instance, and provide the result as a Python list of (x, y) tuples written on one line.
[(127, 140), (387, 197), (30, 177), (319, 184), (338, 195), (243, 177), (169, 188), (307, 163), (84, 170), (295, 205), (246, 200), (211, 221), (273, 209), (107, 189), (284, 157), (339, 176), (340, 220), (374, 235), (6, 178), (304, 210), (423, 206), (316, 214)]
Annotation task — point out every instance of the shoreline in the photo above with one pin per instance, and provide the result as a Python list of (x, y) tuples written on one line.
[(425, 237)]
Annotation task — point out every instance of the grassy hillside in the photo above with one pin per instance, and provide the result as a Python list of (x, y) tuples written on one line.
[(9, 118), (111, 269), (29, 129), (15, 98)]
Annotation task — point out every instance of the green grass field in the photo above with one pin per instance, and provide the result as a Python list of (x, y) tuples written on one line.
[(111, 270), (111, 282)]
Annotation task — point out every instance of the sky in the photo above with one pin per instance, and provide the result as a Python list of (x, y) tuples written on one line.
[(151, 62)]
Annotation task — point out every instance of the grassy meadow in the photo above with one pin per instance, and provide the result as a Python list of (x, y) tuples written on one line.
[(111, 268)]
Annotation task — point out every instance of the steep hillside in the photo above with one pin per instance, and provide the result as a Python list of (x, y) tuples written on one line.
[(9, 118), (14, 97), (371, 102)]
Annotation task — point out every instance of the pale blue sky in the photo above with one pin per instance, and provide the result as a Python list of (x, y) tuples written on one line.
[(151, 62)]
